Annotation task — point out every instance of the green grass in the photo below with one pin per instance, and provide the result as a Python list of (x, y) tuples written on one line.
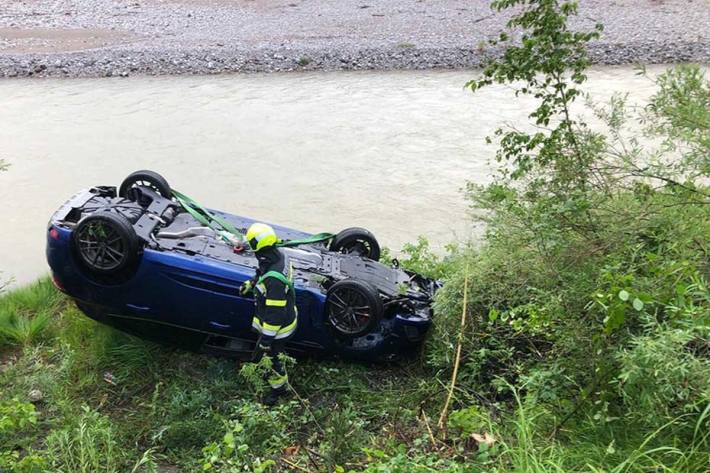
[(26, 312), (170, 408), (86, 445)]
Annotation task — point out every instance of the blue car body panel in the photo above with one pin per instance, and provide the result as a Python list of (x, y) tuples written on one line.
[(193, 301)]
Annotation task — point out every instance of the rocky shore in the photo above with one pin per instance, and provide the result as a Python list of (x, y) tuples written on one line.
[(99, 38)]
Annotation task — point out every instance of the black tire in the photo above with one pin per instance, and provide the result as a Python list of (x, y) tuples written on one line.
[(150, 179), (357, 241), (105, 244), (353, 308)]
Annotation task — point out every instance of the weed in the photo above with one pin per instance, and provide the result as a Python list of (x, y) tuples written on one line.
[(86, 445), (17, 418), (253, 437), (25, 313)]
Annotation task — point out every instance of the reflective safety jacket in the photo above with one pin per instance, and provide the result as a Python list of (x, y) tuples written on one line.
[(275, 316)]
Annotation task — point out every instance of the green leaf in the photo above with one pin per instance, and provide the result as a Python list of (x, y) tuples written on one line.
[(624, 295), (638, 304), (492, 315), (615, 319)]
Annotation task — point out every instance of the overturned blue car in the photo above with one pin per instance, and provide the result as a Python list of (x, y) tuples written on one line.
[(147, 260)]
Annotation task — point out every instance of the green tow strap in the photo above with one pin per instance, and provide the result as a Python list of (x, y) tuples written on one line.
[(208, 219), (317, 238)]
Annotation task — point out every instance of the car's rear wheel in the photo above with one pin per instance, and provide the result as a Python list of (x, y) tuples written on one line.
[(145, 178), (106, 245), (357, 241), (353, 308)]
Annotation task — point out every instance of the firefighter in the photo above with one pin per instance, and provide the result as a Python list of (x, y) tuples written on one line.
[(275, 318)]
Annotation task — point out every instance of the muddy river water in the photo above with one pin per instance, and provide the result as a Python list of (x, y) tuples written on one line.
[(390, 151)]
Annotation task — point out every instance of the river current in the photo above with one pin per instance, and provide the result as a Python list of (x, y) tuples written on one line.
[(389, 151)]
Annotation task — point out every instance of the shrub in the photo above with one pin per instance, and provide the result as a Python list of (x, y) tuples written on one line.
[(588, 295), (664, 373), (17, 418), (253, 437)]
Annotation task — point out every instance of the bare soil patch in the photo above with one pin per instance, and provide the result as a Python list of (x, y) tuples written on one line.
[(57, 40)]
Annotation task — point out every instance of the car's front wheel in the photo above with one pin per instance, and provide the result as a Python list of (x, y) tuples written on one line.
[(353, 308), (105, 245)]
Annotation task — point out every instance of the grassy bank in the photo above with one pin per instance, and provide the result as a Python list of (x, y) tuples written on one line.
[(80, 397)]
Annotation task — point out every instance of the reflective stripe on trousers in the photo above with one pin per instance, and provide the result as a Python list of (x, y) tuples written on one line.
[(276, 331)]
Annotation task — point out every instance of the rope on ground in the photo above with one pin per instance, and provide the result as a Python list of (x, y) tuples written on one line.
[(445, 410)]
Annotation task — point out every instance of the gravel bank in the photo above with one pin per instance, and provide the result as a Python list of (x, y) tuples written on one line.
[(93, 38)]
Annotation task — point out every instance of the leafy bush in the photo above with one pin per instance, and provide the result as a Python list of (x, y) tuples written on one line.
[(588, 297), (16, 418), (419, 258), (661, 374), (252, 436)]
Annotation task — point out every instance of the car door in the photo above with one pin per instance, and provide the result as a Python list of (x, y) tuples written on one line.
[(231, 313)]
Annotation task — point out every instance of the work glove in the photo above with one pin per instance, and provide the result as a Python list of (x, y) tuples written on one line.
[(246, 287)]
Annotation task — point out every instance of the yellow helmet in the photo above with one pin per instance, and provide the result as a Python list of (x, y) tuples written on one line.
[(260, 236)]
